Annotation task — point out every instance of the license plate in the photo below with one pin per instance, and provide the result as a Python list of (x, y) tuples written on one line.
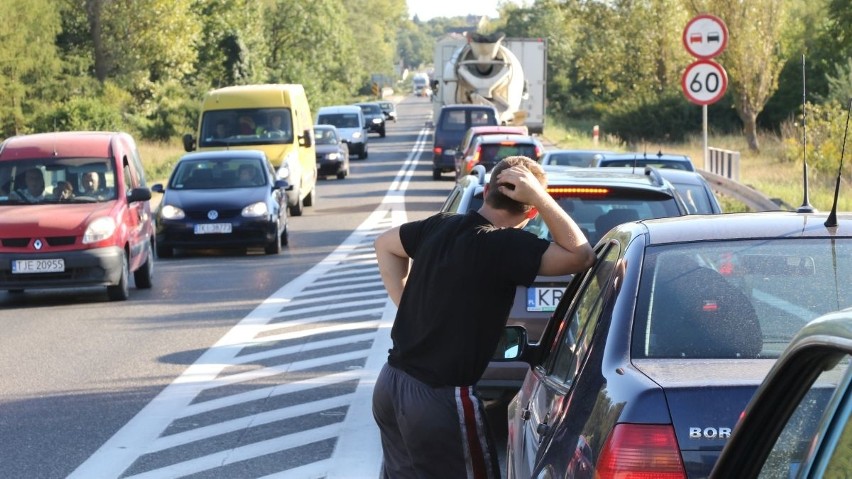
[(543, 299), (212, 228), (29, 266)]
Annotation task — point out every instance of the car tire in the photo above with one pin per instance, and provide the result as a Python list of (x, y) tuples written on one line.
[(364, 153), (342, 174), (298, 208), (143, 277), (274, 247), (285, 237), (311, 199), (382, 133), (165, 251), (436, 173), (121, 291)]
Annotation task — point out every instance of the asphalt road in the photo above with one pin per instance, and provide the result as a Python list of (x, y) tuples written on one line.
[(86, 381)]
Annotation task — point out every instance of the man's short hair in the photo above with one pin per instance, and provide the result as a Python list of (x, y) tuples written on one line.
[(498, 200)]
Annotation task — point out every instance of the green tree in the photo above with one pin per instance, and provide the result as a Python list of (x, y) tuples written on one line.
[(28, 61), (375, 24), (755, 55), (309, 44)]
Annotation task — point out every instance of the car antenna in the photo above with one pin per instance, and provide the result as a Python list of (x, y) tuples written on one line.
[(806, 205), (831, 221)]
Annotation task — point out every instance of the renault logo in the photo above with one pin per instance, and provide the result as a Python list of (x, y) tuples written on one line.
[(212, 214), (37, 244)]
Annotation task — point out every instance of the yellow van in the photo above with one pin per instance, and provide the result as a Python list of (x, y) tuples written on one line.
[(274, 118)]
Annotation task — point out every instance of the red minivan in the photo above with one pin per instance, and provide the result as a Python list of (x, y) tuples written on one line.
[(74, 212)]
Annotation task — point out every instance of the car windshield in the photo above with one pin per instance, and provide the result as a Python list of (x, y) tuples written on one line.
[(695, 198), (737, 299), (57, 180), (247, 126), (209, 174), (371, 109), (340, 120), (325, 137)]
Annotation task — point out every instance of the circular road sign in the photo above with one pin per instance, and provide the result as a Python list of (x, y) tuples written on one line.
[(705, 36), (704, 82)]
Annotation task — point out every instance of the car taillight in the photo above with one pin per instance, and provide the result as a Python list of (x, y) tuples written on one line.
[(641, 451), (576, 191), (438, 150), (476, 155), (537, 152)]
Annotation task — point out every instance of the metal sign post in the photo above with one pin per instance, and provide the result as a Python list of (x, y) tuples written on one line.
[(705, 81)]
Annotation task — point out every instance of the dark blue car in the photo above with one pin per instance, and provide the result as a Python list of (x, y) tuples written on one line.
[(222, 199), (652, 355)]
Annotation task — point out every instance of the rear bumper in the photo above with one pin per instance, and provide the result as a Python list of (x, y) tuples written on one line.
[(91, 267)]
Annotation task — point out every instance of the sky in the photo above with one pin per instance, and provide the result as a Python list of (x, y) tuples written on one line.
[(428, 9)]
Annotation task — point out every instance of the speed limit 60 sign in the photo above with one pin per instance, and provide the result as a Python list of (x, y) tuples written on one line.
[(704, 82)]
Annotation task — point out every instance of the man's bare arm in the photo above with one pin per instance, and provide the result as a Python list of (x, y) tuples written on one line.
[(570, 251), (393, 263)]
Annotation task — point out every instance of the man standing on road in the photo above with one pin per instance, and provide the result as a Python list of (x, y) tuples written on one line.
[(453, 302)]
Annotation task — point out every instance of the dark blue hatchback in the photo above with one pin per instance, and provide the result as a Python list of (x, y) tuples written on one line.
[(222, 199)]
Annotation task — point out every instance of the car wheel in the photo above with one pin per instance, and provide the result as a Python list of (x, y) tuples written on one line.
[(285, 237), (364, 153), (341, 174), (274, 247), (382, 133), (143, 277), (298, 208), (121, 291), (436, 173), (311, 199), (164, 251)]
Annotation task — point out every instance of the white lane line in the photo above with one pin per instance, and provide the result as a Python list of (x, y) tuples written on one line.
[(130, 442), (312, 346)]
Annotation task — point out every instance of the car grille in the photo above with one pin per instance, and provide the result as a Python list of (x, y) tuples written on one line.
[(202, 214), (51, 241)]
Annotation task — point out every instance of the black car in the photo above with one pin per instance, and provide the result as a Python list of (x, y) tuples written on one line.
[(641, 160), (597, 199), (374, 116), (222, 199), (453, 122), (798, 423), (332, 152), (652, 355), (389, 109)]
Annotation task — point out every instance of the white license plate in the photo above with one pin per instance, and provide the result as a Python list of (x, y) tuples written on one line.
[(29, 266), (212, 228), (543, 299)]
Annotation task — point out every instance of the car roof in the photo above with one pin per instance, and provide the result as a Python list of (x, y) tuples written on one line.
[(760, 225), (616, 177), (325, 127), (489, 129), (580, 152), (60, 144), (639, 154), (339, 109), (224, 155), (498, 138), (467, 107)]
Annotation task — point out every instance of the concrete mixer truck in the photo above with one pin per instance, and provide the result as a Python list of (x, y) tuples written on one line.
[(506, 73)]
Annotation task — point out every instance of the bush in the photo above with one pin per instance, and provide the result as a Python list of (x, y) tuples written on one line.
[(825, 132)]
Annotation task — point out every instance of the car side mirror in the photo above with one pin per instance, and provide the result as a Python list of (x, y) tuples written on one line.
[(138, 194), (282, 185), (305, 139), (158, 188), (188, 142), (512, 344)]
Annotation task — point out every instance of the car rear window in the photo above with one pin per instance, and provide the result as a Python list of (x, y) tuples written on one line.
[(491, 154), (737, 299), (597, 213)]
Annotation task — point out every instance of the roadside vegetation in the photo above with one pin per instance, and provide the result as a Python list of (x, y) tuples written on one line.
[(143, 67)]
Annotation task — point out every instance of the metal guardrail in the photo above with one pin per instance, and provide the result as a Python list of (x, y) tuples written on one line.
[(723, 162), (755, 200)]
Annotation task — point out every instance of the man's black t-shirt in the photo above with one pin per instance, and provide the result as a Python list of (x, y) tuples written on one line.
[(458, 295)]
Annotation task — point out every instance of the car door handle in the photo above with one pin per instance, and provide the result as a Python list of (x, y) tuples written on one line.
[(542, 429), (525, 413)]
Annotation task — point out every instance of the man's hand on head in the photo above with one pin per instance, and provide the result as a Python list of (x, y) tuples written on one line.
[(522, 186)]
